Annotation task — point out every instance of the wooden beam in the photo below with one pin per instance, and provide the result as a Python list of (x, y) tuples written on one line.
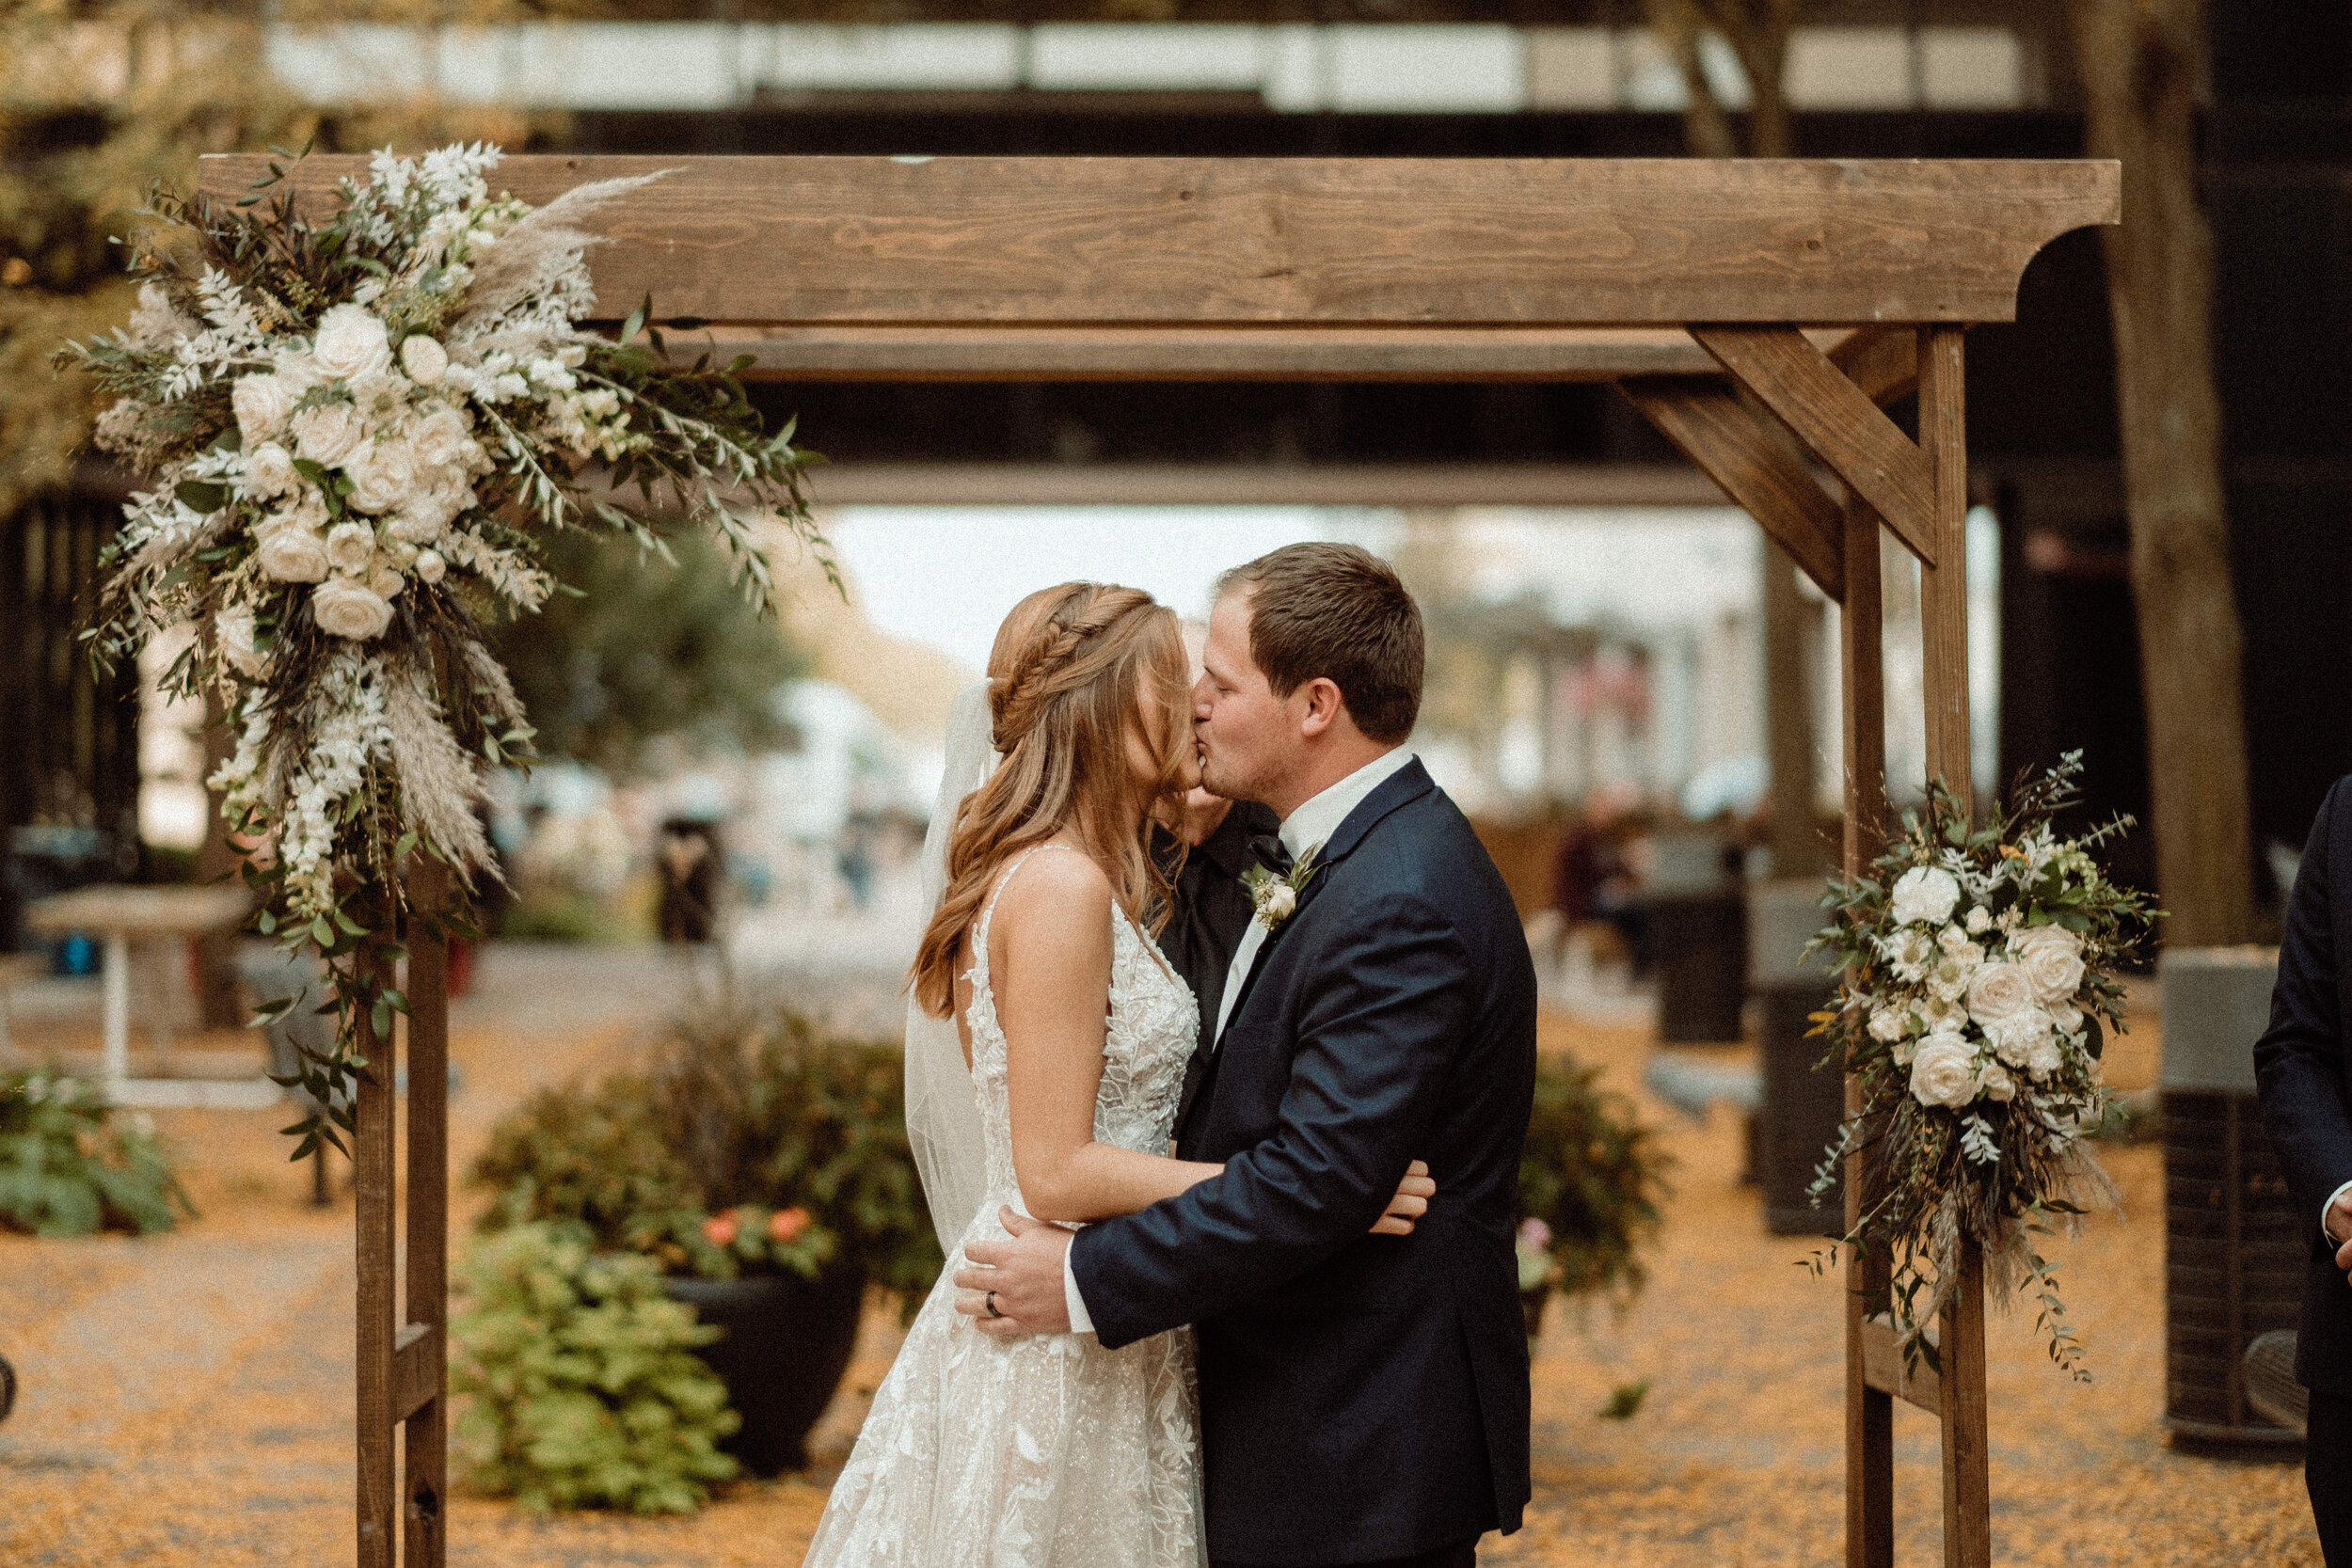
[(371, 1210), (1943, 566), (1883, 1369), (1883, 361), (1755, 464), (1869, 1411), (1369, 240), (421, 1372), (1416, 354), (1401, 485), (1836, 419)]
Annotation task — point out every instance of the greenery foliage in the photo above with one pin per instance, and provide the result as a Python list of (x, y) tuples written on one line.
[(750, 1116), (69, 1166), (1597, 1178), (586, 1388), (641, 650)]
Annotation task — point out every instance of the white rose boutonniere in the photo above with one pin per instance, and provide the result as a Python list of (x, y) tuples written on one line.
[(1926, 893), (1275, 897)]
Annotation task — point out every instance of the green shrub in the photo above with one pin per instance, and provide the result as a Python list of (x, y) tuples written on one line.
[(70, 1166), (756, 1144), (1596, 1178), (586, 1392)]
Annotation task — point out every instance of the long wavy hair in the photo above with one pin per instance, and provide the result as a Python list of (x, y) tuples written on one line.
[(1077, 670)]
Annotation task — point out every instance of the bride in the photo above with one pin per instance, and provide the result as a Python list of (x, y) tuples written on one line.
[(1048, 1450)]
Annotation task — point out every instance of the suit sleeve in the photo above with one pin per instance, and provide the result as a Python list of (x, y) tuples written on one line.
[(1387, 1005), (2299, 1060)]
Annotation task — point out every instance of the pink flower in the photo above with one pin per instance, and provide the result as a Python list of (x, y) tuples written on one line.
[(721, 1229), (788, 1225), (1535, 1235)]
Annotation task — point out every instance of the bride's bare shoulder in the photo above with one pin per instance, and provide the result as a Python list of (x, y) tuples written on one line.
[(1055, 892)]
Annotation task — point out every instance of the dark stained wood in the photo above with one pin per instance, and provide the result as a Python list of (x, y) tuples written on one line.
[(1581, 484), (1475, 354), (1836, 419), (1943, 569), (372, 1181), (1967, 1482), (1883, 1369), (1756, 467), (1883, 361), (1870, 1409), (1300, 240), (421, 1377)]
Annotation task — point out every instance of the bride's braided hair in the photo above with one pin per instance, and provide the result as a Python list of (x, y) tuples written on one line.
[(1077, 670)]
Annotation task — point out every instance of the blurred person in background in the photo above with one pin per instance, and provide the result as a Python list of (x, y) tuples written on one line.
[(1593, 877)]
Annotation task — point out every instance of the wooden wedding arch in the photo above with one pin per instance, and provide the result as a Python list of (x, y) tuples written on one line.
[(1763, 314)]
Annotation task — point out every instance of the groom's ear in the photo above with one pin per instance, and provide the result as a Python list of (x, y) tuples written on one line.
[(1323, 705)]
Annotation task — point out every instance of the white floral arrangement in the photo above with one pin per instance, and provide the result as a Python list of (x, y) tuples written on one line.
[(358, 430), (1980, 972)]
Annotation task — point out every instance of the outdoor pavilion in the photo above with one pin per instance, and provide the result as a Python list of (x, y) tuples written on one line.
[(1761, 313)]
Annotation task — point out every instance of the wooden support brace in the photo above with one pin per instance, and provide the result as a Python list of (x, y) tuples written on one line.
[(417, 1362), (1836, 421), (1883, 1369), (1753, 462), (1883, 361)]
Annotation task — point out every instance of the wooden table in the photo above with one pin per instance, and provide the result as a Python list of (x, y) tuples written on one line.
[(117, 913)]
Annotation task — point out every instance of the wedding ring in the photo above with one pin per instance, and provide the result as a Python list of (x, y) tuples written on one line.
[(991, 1306)]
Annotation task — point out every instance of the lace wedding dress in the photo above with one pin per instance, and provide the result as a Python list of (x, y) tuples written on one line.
[(1044, 1451)]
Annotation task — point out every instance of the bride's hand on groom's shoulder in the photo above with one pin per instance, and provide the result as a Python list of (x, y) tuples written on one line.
[(1015, 1286), (1410, 1204)]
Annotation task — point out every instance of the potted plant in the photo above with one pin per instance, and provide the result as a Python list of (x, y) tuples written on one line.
[(71, 1165), (1592, 1180), (763, 1166)]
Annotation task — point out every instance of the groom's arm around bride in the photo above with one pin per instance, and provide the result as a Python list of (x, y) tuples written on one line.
[(1364, 1399)]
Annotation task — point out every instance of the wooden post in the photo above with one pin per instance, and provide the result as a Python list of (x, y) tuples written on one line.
[(1869, 1411), (422, 1350), (1944, 635), (372, 1181)]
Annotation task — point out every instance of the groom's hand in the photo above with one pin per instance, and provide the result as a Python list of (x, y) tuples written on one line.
[(1022, 1279)]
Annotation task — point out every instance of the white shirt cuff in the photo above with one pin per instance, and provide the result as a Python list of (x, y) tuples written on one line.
[(2332, 1239), (1079, 1321)]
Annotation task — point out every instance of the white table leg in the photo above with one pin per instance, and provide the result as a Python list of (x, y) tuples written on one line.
[(115, 980)]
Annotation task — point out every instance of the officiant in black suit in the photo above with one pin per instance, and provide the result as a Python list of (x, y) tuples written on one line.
[(2301, 1066)]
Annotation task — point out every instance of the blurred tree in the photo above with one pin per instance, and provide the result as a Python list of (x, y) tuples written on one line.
[(2141, 62), (641, 650)]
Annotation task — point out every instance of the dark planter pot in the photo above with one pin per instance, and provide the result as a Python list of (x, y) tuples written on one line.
[(787, 1341), (1701, 941)]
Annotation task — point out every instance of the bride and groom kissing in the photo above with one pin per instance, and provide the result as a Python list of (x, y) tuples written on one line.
[(1271, 1339)]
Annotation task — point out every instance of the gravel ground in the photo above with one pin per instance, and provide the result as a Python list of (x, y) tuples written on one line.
[(187, 1399)]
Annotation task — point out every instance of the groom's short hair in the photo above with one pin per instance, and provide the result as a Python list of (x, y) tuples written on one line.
[(1342, 612)]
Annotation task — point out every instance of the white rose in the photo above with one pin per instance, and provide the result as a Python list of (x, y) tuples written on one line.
[(234, 631), (263, 404), (385, 580), (326, 433), (1890, 1023), (2018, 1037), (1943, 1072), (2067, 1018), (346, 609), (350, 547), (383, 476), (1952, 938), (1993, 1083), (430, 566), (1978, 920), (291, 553), (1279, 900), (269, 469), (351, 342), (2052, 955), (442, 438), (423, 359), (1997, 991), (1925, 894)]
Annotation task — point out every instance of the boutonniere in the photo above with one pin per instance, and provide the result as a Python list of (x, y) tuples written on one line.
[(1274, 894)]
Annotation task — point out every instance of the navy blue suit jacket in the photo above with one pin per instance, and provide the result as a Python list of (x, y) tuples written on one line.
[(1362, 1397), (2300, 1066)]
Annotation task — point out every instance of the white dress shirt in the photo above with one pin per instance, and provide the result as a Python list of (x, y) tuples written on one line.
[(1305, 830), (2333, 1240)]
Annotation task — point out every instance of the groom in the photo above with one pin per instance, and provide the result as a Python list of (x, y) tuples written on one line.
[(1363, 1399)]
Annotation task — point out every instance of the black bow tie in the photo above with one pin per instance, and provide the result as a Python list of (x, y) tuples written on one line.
[(1269, 850)]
